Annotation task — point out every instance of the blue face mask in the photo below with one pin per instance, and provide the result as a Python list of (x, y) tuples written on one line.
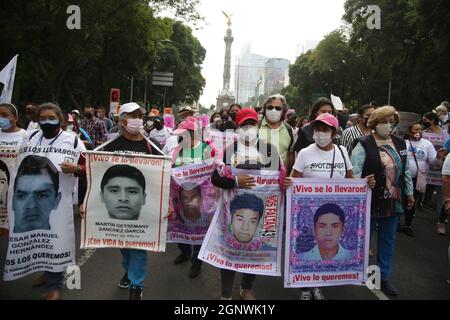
[(5, 123)]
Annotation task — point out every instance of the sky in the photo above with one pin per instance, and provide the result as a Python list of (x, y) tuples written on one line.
[(274, 27)]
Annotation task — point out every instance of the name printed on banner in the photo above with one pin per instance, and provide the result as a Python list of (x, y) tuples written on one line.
[(269, 230), (329, 189), (127, 160), (30, 242), (120, 228)]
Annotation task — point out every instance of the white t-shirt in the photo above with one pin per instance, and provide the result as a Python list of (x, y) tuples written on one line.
[(314, 162), (12, 139), (171, 143), (161, 135), (446, 166), (425, 154)]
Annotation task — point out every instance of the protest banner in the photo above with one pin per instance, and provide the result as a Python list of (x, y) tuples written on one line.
[(245, 234), (438, 140), (169, 121), (8, 158), (40, 212), (220, 139), (327, 240), (194, 200), (114, 101), (127, 201)]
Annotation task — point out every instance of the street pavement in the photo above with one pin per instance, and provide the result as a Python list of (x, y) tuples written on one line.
[(420, 272)]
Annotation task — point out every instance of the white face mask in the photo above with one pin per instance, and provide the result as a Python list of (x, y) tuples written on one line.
[(443, 119), (248, 133), (149, 123), (384, 129), (134, 125), (322, 139), (273, 115)]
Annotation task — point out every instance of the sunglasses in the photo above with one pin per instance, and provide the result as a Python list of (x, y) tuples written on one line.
[(278, 108)]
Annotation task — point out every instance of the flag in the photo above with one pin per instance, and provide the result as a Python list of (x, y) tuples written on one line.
[(337, 103), (7, 76)]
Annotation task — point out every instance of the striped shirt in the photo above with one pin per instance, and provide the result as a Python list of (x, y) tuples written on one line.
[(349, 136)]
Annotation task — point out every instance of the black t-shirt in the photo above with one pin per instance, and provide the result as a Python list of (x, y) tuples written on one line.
[(229, 126), (123, 145)]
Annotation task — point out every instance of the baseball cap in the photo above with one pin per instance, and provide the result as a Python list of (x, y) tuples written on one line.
[(130, 107), (76, 111), (191, 124), (186, 108), (328, 119), (246, 114)]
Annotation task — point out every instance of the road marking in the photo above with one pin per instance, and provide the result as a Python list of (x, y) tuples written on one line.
[(379, 294)]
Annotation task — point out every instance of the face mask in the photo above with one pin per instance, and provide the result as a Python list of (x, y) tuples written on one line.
[(384, 129), (134, 126), (5, 123), (322, 139), (217, 119), (273, 115), (88, 115), (158, 126), (248, 133), (70, 127), (49, 127), (416, 136), (426, 125), (444, 119), (149, 123), (233, 116)]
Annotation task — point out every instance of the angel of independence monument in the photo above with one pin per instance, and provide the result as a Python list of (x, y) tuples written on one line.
[(226, 98)]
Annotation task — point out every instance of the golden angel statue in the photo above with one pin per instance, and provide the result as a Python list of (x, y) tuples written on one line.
[(228, 17)]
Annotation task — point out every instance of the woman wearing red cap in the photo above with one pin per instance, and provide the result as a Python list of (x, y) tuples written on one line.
[(323, 159), (248, 153)]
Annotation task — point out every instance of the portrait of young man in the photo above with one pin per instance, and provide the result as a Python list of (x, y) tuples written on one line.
[(123, 192), (36, 194), (191, 202), (246, 212), (329, 224)]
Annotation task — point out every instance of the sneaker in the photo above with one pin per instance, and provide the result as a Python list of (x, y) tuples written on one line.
[(388, 288), (306, 294), (399, 227), (124, 282), (317, 294), (441, 229), (195, 270), (408, 231), (135, 293), (54, 295), (247, 294), (181, 258)]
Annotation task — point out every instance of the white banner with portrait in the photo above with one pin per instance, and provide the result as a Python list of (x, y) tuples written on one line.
[(127, 201), (245, 234), (8, 158), (40, 212)]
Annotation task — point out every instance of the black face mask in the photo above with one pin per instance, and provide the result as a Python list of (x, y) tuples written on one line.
[(426, 125), (233, 116), (88, 115), (158, 126), (50, 130)]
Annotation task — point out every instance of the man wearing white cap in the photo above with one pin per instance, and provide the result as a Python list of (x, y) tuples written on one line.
[(132, 141)]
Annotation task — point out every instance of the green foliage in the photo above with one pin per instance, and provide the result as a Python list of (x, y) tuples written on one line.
[(118, 39), (356, 63)]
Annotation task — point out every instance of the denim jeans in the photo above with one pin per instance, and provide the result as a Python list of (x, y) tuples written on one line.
[(135, 264), (54, 280), (227, 280), (186, 249), (387, 235)]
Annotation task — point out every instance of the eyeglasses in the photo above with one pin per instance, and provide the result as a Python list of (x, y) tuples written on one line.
[(278, 108)]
